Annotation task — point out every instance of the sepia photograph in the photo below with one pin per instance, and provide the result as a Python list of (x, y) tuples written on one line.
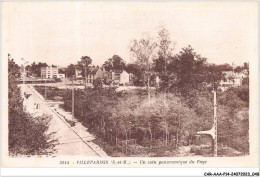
[(116, 83)]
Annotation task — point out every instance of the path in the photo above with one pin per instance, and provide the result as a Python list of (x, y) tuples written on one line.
[(72, 141)]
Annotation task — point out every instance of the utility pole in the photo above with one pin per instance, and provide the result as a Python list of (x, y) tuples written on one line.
[(149, 93), (213, 131), (45, 92), (85, 74), (72, 99), (215, 125), (24, 72)]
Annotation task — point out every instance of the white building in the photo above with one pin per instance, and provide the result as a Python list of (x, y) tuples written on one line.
[(61, 76), (124, 77), (231, 80), (78, 74), (50, 72)]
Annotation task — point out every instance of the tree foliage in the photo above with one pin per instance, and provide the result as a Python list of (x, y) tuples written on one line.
[(35, 68), (70, 70), (26, 134), (83, 64), (114, 63)]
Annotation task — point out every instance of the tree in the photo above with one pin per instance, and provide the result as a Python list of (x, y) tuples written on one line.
[(246, 65), (70, 70), (225, 67), (165, 49), (62, 71), (26, 134), (97, 84), (190, 71), (114, 63), (143, 51), (83, 64), (213, 75), (36, 68), (238, 69), (137, 73)]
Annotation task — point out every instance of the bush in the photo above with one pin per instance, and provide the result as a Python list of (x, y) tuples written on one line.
[(26, 134), (127, 115)]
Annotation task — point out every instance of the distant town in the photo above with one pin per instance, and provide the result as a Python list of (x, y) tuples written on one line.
[(116, 72)]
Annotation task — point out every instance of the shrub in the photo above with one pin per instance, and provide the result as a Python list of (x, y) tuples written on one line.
[(26, 134)]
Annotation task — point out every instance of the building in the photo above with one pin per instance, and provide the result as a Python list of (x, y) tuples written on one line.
[(50, 72), (117, 77), (79, 74), (231, 79), (109, 77), (124, 77), (61, 76), (94, 73)]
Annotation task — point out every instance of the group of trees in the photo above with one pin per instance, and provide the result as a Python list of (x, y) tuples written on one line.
[(185, 71), (114, 63), (124, 116), (159, 126), (35, 68), (26, 134), (182, 102)]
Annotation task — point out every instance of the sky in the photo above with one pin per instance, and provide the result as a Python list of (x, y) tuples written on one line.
[(60, 33)]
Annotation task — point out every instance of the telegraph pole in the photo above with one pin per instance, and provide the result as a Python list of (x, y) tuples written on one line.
[(73, 95), (85, 74), (72, 99), (215, 125), (213, 131), (24, 72)]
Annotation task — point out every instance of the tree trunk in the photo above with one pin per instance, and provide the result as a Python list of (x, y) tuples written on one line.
[(149, 94), (151, 140), (177, 140), (85, 75)]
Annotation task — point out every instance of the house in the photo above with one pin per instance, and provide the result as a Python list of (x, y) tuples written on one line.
[(231, 79), (61, 76), (50, 72), (117, 77), (93, 73), (124, 77), (225, 84)]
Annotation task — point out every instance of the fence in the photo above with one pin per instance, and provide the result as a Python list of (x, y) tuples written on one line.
[(126, 146)]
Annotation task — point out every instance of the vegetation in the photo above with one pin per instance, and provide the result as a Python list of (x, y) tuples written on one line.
[(114, 63), (158, 122), (122, 116), (26, 134), (162, 120), (35, 68), (52, 93)]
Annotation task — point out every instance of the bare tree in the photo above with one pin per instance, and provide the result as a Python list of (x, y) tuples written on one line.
[(143, 51), (165, 49)]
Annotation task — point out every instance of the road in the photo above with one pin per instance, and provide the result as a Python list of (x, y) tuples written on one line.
[(71, 141)]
